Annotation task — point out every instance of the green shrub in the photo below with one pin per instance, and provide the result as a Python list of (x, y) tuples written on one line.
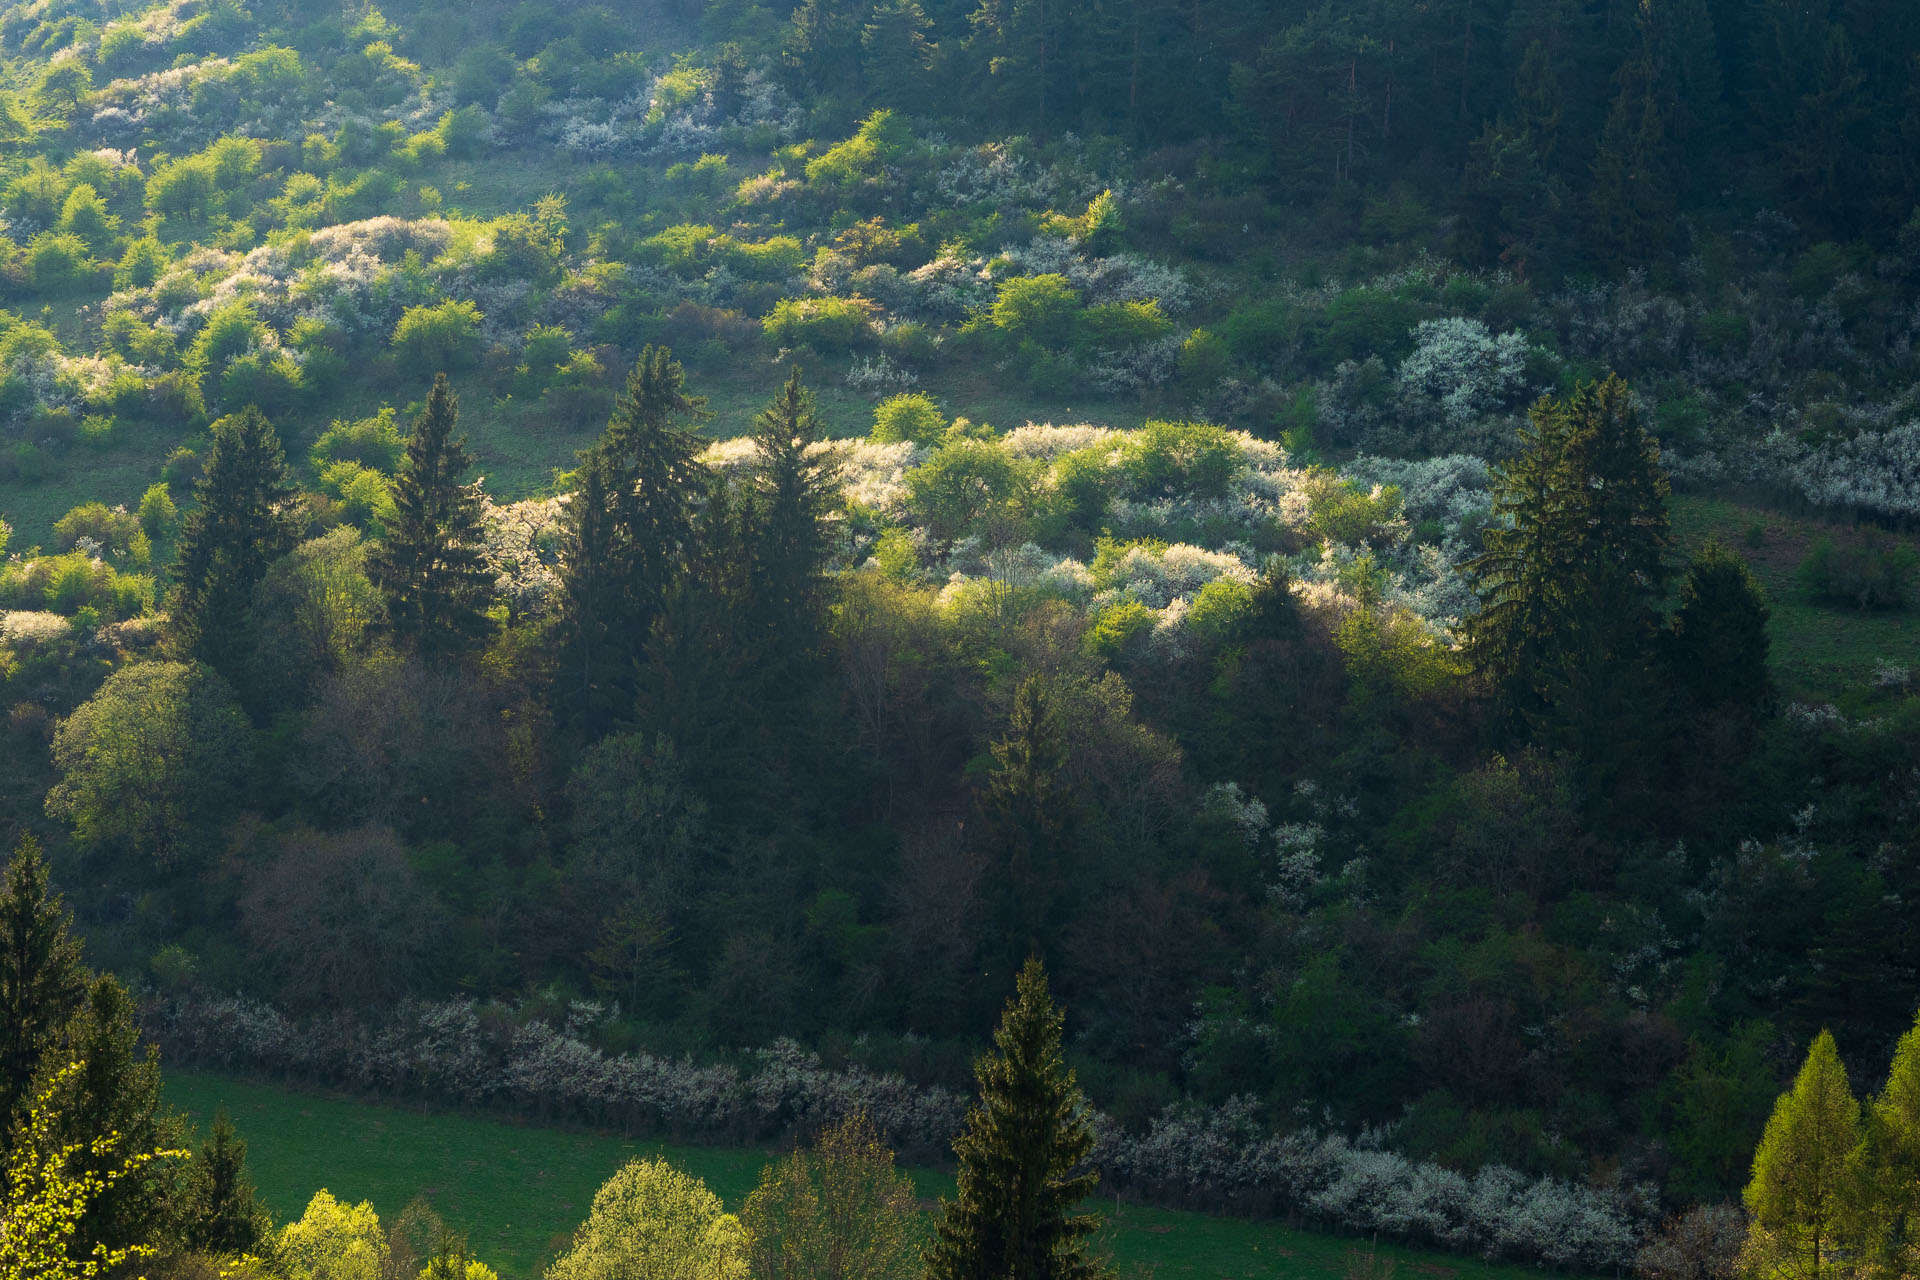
[(962, 483), (1347, 512), (1872, 572), (371, 442), (914, 416), (365, 495), (158, 515), (1041, 309), (1220, 610), (1182, 459), (438, 339), (828, 325), (1116, 628), (116, 531), (880, 138), (57, 261)]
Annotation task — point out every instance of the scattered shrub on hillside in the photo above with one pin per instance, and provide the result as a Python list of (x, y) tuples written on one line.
[(1870, 572)]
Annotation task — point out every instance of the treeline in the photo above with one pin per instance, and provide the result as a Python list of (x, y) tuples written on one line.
[(1567, 132)]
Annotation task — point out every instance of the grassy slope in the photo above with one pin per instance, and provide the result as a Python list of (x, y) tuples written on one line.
[(519, 1191), (1818, 650)]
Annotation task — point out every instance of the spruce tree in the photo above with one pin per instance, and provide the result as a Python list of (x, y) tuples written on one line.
[(1027, 813), (1012, 1216), (42, 979), (1799, 1198), (1572, 576), (431, 565), (1717, 643), (791, 495), (114, 1093), (223, 1215), (240, 525), (895, 54), (632, 521)]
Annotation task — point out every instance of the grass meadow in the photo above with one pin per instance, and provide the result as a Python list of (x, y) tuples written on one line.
[(519, 1191)]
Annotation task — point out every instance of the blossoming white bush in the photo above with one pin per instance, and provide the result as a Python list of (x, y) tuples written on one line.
[(1467, 369)]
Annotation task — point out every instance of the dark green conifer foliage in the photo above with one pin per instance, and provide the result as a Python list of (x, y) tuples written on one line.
[(1632, 198), (42, 979), (223, 1215), (1573, 573), (115, 1092), (791, 495), (630, 524), (1012, 1216), (1028, 814), (895, 54), (240, 525), (1718, 643), (431, 565)]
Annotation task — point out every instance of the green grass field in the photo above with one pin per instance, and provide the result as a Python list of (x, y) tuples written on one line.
[(519, 1191), (1819, 650)]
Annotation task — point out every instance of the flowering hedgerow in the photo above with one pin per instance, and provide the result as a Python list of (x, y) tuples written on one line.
[(466, 1054)]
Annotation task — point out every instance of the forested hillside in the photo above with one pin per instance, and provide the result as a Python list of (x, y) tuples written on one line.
[(632, 565)]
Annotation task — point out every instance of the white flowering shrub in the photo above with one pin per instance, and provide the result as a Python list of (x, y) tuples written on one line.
[(1871, 474), (1467, 369)]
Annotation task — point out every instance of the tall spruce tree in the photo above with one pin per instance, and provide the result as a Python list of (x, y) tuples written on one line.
[(1572, 576), (431, 565), (42, 979), (791, 495), (1012, 1216), (240, 525), (1718, 643), (1799, 1196), (895, 54), (631, 522)]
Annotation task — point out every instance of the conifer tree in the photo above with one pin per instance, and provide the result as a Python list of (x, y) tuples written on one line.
[(627, 547), (1027, 812), (895, 53), (1885, 1177), (431, 566), (42, 979), (791, 495), (1012, 1216), (1573, 573), (1799, 1196), (224, 1216), (239, 526), (114, 1093), (1718, 641)]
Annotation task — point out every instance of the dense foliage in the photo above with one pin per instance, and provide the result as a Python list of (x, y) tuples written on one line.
[(503, 604)]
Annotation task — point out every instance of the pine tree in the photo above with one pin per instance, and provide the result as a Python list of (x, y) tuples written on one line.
[(223, 1215), (42, 979), (1573, 572), (239, 526), (632, 522), (431, 565), (1799, 1195), (1012, 1216), (1718, 643)]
